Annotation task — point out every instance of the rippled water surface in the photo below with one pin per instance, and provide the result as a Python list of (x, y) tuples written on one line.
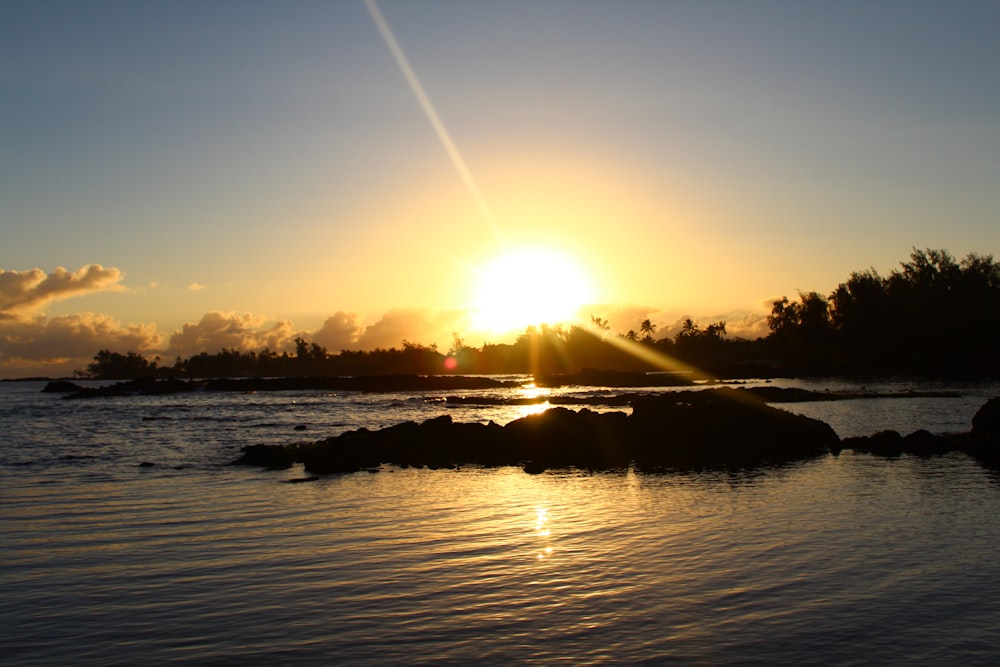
[(838, 560)]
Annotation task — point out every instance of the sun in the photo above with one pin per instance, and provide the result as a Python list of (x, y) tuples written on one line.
[(528, 287)]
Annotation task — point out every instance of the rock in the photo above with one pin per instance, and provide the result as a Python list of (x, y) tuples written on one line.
[(884, 443), (267, 456), (987, 418), (887, 443), (925, 443), (723, 428), (716, 428), (983, 442), (562, 438)]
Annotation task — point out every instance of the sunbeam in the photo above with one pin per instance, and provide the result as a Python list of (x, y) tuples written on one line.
[(657, 359), (435, 120)]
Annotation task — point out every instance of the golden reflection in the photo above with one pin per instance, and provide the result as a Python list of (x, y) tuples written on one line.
[(543, 532), (531, 390), (532, 409)]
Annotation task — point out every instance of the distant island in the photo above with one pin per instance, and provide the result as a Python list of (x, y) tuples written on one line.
[(934, 316)]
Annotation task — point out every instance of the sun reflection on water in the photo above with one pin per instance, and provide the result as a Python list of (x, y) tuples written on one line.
[(532, 409), (531, 391), (543, 532)]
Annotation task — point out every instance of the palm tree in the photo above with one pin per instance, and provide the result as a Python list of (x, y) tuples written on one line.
[(648, 329)]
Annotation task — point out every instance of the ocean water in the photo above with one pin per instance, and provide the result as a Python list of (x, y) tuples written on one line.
[(846, 560)]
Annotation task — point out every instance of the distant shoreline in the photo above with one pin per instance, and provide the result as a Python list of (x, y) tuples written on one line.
[(396, 383)]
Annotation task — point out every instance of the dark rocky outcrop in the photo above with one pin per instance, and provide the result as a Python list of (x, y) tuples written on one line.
[(720, 428), (884, 443), (925, 443), (268, 456), (986, 421), (723, 427), (981, 443)]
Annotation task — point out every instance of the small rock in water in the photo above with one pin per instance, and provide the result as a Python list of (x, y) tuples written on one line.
[(299, 480)]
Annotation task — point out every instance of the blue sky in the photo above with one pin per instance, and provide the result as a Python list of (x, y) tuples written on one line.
[(245, 172)]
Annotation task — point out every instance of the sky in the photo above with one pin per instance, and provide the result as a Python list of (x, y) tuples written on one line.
[(176, 177)]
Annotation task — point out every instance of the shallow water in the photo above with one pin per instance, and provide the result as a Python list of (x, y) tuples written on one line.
[(839, 560)]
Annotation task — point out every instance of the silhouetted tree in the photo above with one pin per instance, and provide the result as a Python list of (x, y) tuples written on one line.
[(108, 365), (648, 329)]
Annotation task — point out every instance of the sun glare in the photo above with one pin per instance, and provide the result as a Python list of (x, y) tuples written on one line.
[(528, 287)]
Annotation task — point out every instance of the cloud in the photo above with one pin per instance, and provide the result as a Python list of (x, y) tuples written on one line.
[(418, 325), (340, 331), (750, 326), (217, 330), (24, 291), (59, 345)]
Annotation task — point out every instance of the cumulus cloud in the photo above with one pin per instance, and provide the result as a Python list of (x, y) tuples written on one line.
[(749, 325), (217, 330), (24, 291), (340, 331), (59, 345), (418, 325), (279, 336)]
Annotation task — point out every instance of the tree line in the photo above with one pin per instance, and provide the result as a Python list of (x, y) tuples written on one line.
[(932, 316)]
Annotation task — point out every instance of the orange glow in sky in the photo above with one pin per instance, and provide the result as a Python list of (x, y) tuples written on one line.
[(361, 173)]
